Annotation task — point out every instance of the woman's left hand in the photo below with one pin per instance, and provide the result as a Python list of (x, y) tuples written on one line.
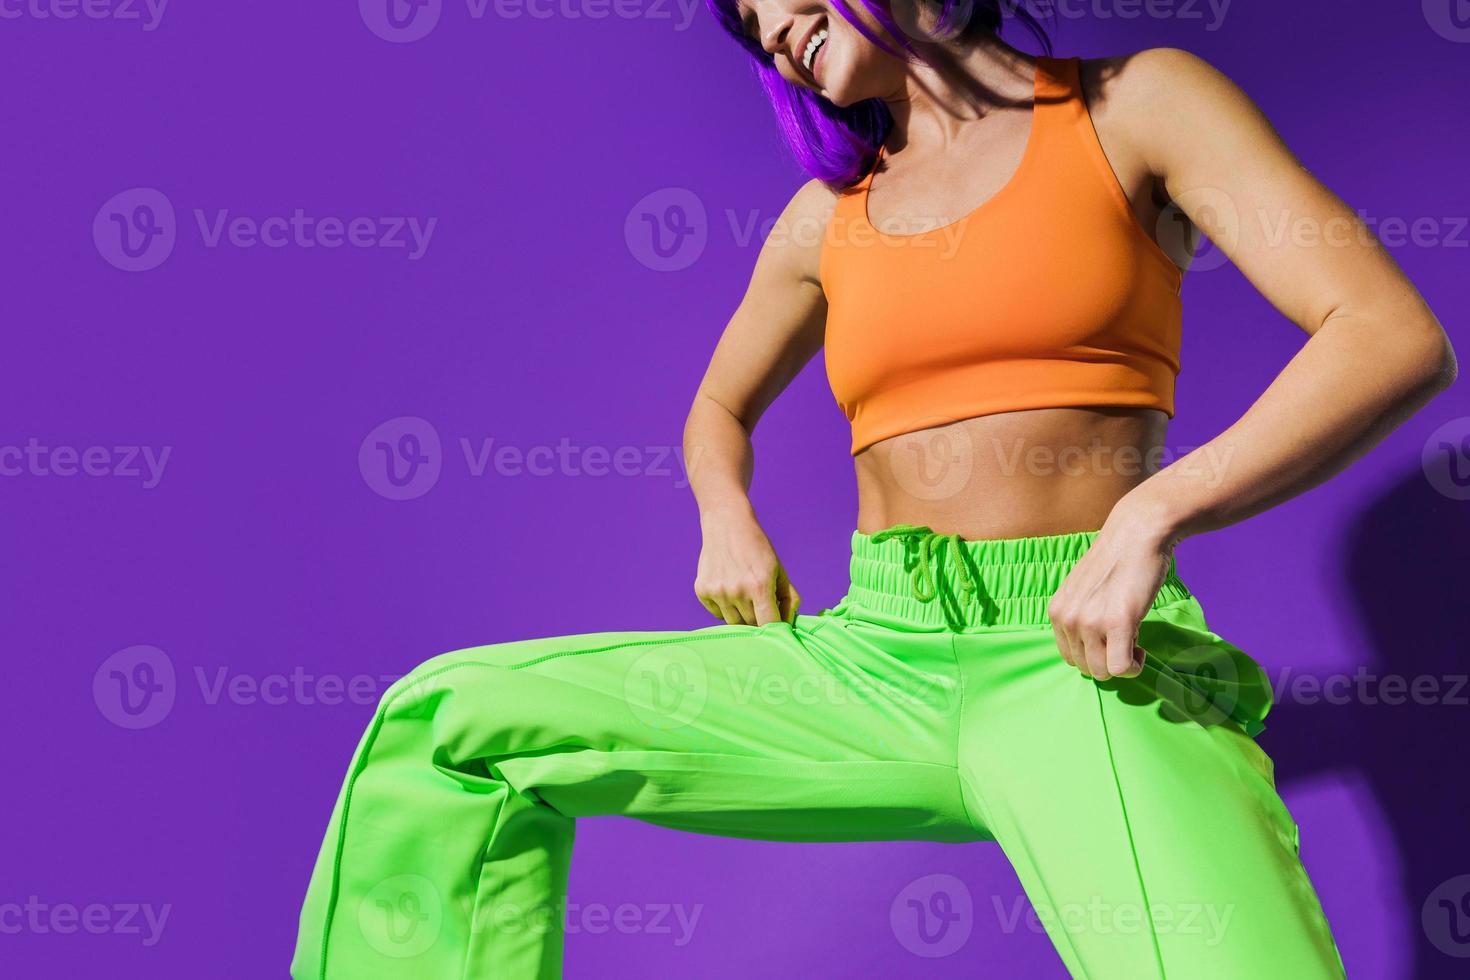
[(1096, 611)]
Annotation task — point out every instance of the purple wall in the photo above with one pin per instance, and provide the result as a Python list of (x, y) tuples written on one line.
[(533, 312)]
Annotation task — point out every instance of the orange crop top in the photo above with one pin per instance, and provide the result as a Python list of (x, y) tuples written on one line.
[(1049, 294)]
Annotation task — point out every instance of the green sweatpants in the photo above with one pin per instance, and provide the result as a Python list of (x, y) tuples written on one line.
[(929, 703)]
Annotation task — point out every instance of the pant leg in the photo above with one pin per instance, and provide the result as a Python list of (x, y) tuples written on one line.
[(1142, 820), (447, 851)]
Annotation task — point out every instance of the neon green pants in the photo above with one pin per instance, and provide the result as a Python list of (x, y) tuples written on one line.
[(930, 703)]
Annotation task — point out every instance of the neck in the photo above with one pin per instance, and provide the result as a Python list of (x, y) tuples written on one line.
[(959, 84)]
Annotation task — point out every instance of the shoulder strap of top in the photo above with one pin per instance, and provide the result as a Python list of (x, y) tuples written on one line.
[(1059, 91), (1063, 127), (1056, 79)]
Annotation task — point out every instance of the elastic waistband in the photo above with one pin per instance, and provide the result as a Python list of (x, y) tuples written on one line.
[(909, 575)]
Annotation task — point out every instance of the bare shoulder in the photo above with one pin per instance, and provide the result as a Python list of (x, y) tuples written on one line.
[(1152, 78), (794, 243), (812, 205), (1168, 103), (814, 194)]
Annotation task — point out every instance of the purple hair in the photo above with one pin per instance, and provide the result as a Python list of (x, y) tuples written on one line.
[(838, 145)]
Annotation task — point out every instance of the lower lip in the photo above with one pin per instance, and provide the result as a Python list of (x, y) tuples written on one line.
[(818, 59)]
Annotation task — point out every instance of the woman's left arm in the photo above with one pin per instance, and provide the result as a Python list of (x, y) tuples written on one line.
[(1375, 352)]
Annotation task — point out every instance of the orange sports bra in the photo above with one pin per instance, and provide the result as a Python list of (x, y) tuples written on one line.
[(1050, 294)]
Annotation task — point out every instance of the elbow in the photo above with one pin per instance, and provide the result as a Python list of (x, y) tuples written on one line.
[(1451, 367), (1441, 367), (1421, 356), (1410, 348)]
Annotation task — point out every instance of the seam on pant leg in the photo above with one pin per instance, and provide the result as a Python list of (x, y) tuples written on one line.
[(684, 636), (330, 911), (1153, 931), (958, 735)]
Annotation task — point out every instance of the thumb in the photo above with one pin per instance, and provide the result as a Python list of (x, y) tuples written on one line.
[(787, 596)]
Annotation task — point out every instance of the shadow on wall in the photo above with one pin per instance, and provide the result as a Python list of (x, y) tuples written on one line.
[(1405, 572)]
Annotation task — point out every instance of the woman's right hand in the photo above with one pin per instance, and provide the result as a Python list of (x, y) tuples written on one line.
[(740, 579)]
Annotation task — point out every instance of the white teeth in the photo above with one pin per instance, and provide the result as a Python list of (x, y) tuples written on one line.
[(816, 42)]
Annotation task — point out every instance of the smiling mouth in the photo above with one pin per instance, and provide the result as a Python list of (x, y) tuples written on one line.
[(813, 48)]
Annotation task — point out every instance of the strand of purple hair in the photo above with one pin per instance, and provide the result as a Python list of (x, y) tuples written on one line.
[(837, 145)]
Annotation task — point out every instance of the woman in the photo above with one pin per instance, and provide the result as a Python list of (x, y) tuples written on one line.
[(1016, 659)]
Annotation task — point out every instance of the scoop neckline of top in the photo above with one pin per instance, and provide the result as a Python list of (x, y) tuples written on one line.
[(1026, 154)]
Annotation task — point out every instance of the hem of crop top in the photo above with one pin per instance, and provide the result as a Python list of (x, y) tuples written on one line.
[(1015, 403)]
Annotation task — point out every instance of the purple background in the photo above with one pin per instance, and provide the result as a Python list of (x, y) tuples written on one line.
[(533, 317)]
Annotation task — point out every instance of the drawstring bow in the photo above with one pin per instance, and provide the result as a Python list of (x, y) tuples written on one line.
[(926, 563)]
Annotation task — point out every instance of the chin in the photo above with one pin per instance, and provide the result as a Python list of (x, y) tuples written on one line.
[(852, 80), (843, 96), (840, 90)]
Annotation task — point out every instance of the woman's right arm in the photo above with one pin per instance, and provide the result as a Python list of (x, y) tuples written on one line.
[(774, 332)]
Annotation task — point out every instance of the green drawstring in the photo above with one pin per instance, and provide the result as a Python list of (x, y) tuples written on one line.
[(926, 586)]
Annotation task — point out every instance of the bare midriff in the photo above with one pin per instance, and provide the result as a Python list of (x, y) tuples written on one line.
[(1010, 474)]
